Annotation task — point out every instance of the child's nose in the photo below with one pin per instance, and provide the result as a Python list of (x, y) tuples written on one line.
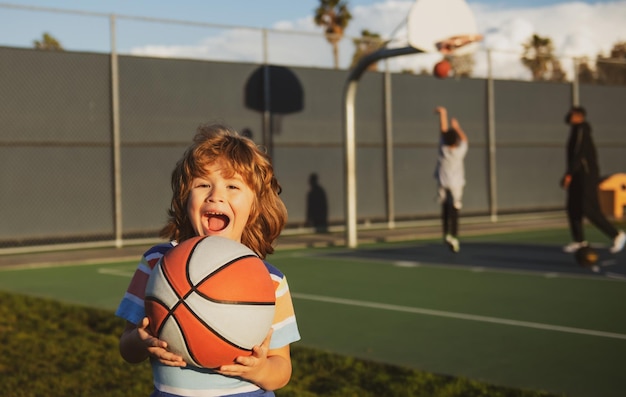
[(215, 195)]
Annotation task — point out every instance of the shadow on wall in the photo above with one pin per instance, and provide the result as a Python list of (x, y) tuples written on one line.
[(316, 206), (275, 89)]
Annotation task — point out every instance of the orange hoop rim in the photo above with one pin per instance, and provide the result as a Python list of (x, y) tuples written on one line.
[(450, 45)]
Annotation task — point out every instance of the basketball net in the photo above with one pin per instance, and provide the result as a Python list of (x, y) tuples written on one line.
[(459, 51)]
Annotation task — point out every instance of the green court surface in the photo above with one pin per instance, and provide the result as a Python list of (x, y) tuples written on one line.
[(509, 309)]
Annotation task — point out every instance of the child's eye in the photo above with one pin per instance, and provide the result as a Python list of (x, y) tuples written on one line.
[(233, 187)]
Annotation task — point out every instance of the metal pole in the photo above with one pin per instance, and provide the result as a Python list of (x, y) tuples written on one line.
[(575, 85), (117, 157), (391, 211), (350, 165), (491, 127), (267, 97), (349, 127)]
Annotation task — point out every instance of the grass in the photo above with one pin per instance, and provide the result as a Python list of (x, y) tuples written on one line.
[(49, 348)]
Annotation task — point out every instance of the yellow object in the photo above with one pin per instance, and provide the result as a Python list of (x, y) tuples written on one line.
[(612, 195)]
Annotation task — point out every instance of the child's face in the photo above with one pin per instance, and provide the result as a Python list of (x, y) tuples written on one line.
[(219, 205)]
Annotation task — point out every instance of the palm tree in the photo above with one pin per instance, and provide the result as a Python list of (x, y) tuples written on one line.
[(334, 16), (365, 45), (586, 74), (540, 59), (48, 43), (612, 69)]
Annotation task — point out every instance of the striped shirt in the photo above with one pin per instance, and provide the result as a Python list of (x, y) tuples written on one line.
[(193, 381)]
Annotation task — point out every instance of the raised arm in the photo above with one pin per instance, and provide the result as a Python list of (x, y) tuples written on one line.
[(443, 119), (454, 123)]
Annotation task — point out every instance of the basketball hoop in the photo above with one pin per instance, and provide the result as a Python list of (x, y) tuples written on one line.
[(458, 52), (436, 25), (454, 44)]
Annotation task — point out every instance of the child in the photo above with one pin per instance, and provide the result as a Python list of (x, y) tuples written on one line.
[(450, 175), (223, 186)]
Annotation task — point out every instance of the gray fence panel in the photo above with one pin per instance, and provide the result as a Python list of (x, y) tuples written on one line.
[(612, 159), (415, 186), (530, 142), (605, 112), (319, 120), (55, 146), (293, 169), (370, 184), (369, 112), (55, 193), (529, 178), (55, 97), (164, 100), (414, 101), (56, 153), (146, 191), (531, 114)]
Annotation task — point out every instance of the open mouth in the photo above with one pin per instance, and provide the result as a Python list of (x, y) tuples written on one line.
[(217, 221)]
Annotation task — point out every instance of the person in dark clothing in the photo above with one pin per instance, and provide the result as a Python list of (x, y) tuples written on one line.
[(581, 181)]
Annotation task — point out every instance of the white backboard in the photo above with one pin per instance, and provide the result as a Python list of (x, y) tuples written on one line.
[(431, 21)]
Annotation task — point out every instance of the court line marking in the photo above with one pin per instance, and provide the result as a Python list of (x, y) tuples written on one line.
[(460, 316), (76, 263), (428, 312), (480, 269), (116, 272)]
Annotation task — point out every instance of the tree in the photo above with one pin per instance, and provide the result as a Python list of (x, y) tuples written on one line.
[(586, 74), (539, 57), (366, 44), (612, 69), (334, 16), (48, 43)]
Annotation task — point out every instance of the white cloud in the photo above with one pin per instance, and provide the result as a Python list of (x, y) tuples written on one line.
[(232, 44), (576, 29)]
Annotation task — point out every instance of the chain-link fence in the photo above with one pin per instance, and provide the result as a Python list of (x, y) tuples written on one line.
[(167, 38), (91, 133)]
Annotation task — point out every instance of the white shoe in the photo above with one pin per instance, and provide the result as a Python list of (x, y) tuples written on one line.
[(618, 242), (453, 242), (574, 246)]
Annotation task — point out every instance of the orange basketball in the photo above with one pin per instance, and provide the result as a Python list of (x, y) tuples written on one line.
[(442, 69), (211, 299)]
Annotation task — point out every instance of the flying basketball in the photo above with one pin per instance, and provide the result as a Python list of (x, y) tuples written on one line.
[(442, 69), (211, 299), (586, 256)]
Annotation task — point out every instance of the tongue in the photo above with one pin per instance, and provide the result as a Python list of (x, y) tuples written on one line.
[(217, 222)]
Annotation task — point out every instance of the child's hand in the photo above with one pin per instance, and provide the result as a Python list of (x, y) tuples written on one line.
[(565, 182), (454, 123), (156, 347), (250, 367)]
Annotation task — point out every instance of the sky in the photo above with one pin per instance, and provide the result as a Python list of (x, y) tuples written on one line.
[(577, 28)]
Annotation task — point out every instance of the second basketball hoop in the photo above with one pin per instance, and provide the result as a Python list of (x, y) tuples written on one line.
[(447, 27), (441, 25)]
